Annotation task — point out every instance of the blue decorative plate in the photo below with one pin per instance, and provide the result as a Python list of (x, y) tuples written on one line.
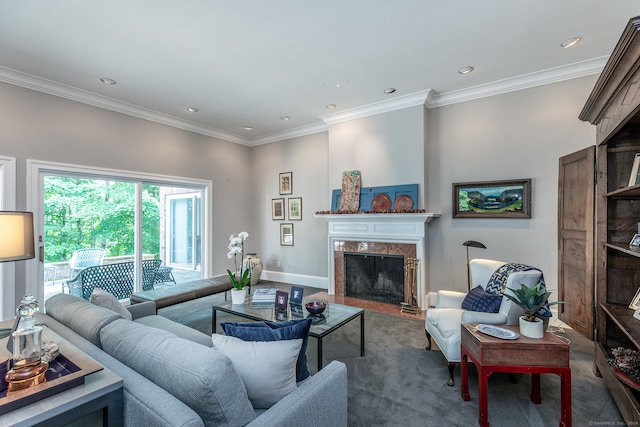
[(498, 332)]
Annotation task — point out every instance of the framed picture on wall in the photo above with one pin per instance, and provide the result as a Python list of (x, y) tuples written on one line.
[(286, 234), (295, 208), (277, 209), (286, 183), (492, 199)]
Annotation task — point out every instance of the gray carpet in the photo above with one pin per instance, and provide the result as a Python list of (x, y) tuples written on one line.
[(399, 383)]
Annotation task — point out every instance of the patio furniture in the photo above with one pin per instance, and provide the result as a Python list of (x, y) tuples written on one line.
[(164, 275), (83, 258), (117, 279)]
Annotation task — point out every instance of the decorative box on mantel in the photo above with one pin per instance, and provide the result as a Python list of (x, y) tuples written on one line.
[(378, 233)]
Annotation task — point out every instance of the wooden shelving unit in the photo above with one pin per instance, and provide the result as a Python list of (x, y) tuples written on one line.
[(614, 107)]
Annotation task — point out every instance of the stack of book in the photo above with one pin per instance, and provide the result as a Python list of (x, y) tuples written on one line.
[(264, 297)]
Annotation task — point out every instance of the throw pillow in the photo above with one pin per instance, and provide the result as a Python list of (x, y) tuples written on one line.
[(105, 299), (275, 331), (479, 300), (267, 368)]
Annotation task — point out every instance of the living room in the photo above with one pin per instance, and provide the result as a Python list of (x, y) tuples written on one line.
[(516, 129)]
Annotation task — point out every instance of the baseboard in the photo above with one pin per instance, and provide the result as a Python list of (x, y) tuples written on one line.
[(296, 279)]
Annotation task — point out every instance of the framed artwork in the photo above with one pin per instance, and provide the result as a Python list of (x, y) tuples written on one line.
[(295, 208), (277, 209), (492, 199), (634, 179), (635, 241), (286, 183), (286, 234), (635, 302)]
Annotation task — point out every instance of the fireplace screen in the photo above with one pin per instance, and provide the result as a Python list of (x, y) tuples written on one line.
[(374, 277)]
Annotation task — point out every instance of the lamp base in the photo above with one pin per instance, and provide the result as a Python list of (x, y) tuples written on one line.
[(26, 377)]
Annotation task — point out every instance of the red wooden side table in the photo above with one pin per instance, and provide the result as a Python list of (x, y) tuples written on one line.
[(548, 355)]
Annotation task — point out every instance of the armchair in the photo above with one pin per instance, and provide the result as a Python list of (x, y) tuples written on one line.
[(443, 322)]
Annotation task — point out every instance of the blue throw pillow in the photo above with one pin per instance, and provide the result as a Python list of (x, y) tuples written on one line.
[(275, 331), (479, 300)]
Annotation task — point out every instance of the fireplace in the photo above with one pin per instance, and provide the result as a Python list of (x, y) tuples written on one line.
[(374, 277), (397, 234)]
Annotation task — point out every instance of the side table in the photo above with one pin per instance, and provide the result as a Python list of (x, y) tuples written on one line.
[(548, 355)]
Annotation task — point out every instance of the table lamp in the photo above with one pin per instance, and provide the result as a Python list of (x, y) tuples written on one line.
[(473, 244)]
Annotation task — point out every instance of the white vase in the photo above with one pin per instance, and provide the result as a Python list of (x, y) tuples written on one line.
[(238, 296), (533, 329), (254, 265)]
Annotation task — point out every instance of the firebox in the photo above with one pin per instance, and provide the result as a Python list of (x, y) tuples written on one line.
[(374, 277)]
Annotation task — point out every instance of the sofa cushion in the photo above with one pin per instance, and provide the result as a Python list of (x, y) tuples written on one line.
[(105, 299), (84, 318), (176, 328), (202, 378), (267, 368), (275, 331), (479, 300)]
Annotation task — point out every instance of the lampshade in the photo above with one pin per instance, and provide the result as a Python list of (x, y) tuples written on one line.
[(16, 236)]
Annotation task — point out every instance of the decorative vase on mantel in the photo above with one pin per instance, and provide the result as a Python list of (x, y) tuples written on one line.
[(254, 265), (238, 296)]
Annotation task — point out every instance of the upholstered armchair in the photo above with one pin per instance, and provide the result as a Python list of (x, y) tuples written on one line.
[(443, 322)]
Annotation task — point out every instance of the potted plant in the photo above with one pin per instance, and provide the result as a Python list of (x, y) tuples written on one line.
[(240, 276), (535, 303)]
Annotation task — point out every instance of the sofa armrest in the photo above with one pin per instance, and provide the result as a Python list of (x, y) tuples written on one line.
[(481, 317), (322, 396), (450, 299), (142, 309)]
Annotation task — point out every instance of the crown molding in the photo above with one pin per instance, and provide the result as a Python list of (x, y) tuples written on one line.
[(288, 134)]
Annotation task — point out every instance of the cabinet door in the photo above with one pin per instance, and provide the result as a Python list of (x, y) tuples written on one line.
[(576, 188)]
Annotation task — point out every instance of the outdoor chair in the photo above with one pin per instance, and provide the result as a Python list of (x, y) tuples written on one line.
[(83, 258)]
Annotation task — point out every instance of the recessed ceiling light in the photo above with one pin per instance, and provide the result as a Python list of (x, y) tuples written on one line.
[(389, 90), (571, 42), (330, 106), (192, 109), (337, 83), (285, 118), (465, 70), (248, 127), (107, 81)]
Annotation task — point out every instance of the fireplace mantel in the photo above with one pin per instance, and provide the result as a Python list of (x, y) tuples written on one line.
[(408, 228)]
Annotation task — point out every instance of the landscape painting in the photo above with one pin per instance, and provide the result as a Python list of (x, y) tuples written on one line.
[(492, 199)]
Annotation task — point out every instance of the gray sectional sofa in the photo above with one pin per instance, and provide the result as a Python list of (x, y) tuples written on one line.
[(173, 378)]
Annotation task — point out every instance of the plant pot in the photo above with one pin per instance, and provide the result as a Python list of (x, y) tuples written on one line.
[(238, 296), (533, 329)]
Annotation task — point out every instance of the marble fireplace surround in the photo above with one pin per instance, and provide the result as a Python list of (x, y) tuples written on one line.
[(385, 233)]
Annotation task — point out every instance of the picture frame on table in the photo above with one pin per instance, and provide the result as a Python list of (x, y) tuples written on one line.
[(286, 234), (281, 305), (277, 209), (295, 208), (635, 301), (635, 242), (286, 182), (492, 199)]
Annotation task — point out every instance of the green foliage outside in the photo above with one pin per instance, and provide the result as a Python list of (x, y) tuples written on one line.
[(87, 213)]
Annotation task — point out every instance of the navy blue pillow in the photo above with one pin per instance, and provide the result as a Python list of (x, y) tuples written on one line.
[(479, 300), (275, 331)]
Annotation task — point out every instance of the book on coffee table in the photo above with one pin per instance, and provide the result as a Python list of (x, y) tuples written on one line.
[(264, 294)]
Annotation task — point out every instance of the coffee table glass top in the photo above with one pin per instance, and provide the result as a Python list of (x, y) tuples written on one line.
[(335, 315)]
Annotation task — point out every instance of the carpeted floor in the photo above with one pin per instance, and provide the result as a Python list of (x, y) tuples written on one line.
[(399, 383)]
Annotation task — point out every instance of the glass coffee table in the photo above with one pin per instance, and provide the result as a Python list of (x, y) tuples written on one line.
[(335, 316)]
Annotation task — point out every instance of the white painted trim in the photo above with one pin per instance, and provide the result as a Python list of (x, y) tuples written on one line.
[(296, 279), (7, 269)]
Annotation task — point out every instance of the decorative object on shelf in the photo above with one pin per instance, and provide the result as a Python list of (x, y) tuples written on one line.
[(402, 194), (411, 279), (286, 234), (533, 301), (350, 196), (28, 370), (240, 276), (295, 208), (277, 209), (635, 242), (253, 263), (381, 203), (627, 362), (473, 244), (635, 302), (286, 183), (634, 179), (403, 202), (492, 199)]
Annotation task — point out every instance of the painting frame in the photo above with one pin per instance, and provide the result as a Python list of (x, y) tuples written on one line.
[(635, 241), (294, 207), (285, 183), (493, 206), (277, 209), (635, 301), (286, 234)]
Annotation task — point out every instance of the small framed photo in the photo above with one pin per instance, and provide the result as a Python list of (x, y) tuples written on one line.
[(286, 234), (635, 302), (635, 241), (286, 183), (636, 314), (296, 294), (277, 209), (295, 208), (634, 179)]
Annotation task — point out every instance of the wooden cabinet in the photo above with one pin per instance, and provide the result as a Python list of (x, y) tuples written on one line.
[(614, 107)]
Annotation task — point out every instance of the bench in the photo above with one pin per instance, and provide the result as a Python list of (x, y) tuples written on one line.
[(183, 292)]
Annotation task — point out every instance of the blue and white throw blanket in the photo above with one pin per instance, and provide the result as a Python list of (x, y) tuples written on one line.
[(498, 281)]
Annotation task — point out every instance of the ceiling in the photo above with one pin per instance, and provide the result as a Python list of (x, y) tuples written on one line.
[(248, 63)]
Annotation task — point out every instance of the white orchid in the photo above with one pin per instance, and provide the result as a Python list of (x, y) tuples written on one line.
[(236, 247)]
